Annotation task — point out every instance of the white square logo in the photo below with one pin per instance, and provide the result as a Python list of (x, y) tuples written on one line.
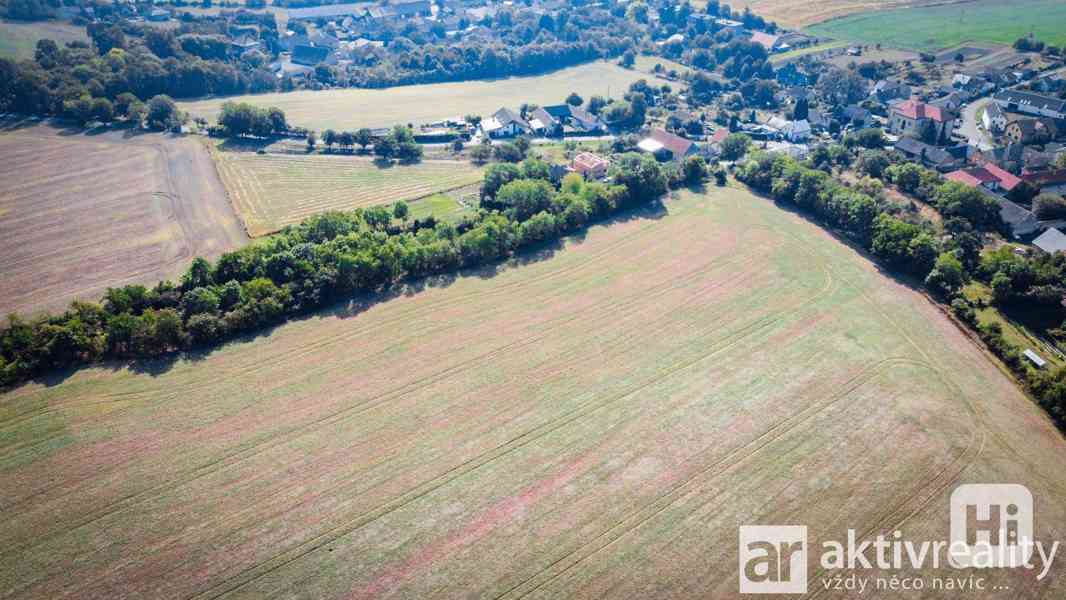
[(991, 526), (773, 559)]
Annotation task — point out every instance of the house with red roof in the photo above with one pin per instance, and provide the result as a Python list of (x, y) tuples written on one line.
[(766, 40), (591, 166), (931, 124), (667, 146), (988, 176)]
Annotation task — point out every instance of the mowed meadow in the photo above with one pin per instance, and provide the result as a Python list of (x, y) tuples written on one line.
[(591, 421), (351, 108), (274, 190), (80, 213)]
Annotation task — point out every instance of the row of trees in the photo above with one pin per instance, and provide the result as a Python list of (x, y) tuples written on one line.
[(399, 143), (325, 258)]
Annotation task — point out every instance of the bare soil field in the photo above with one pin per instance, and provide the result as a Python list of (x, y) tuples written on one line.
[(801, 13), (593, 421), (354, 108), (271, 191), (80, 213)]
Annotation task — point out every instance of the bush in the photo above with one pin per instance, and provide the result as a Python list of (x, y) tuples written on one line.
[(1049, 207)]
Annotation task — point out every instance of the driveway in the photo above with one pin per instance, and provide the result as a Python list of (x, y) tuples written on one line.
[(969, 128)]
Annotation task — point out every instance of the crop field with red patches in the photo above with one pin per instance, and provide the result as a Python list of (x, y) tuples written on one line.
[(593, 421), (81, 213), (274, 190)]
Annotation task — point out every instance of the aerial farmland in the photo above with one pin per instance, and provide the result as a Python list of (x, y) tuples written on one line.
[(550, 299), (586, 422), (123, 211)]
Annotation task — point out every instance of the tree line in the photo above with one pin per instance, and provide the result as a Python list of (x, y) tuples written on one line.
[(319, 261)]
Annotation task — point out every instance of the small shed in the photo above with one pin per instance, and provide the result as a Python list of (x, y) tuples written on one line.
[(1034, 358)]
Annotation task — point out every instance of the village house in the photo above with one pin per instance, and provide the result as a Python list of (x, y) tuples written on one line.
[(915, 118), (769, 41), (1031, 104), (310, 56), (987, 175), (666, 146), (1028, 131), (505, 123), (1053, 181), (941, 159), (590, 166), (994, 120), (1051, 241), (885, 90)]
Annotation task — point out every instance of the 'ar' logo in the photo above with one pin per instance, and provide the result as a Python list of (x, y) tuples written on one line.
[(773, 559), (991, 525)]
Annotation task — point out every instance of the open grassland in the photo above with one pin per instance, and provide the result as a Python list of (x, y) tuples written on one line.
[(801, 13), (80, 213), (941, 26), (354, 108), (593, 421), (19, 39), (274, 190)]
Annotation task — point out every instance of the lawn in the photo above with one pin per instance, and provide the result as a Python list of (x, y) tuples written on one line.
[(445, 206), (19, 39), (355, 108), (271, 191), (590, 421), (935, 27), (81, 213)]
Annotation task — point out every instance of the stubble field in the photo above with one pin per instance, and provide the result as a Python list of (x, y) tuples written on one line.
[(80, 213), (801, 13), (274, 190), (348, 109), (591, 422)]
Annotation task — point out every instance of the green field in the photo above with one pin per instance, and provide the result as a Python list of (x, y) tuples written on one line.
[(354, 108), (19, 40), (936, 27), (270, 191), (593, 420)]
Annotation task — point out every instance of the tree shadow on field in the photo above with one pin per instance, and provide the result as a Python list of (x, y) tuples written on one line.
[(17, 123), (903, 279), (358, 304)]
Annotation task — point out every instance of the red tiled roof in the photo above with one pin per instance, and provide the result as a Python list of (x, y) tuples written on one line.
[(587, 161), (970, 177), (987, 173), (765, 39), (1008, 181), (677, 145), (719, 135), (913, 109)]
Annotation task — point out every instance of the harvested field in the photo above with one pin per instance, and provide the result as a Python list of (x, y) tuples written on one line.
[(271, 191), (942, 25), (801, 13), (355, 108), (593, 421), (80, 213), (18, 39)]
